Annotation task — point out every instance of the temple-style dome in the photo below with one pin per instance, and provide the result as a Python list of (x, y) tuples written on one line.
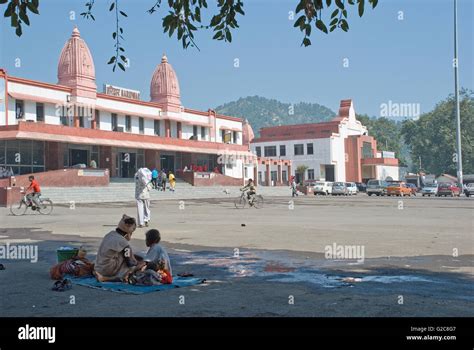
[(247, 133), (76, 66), (164, 87)]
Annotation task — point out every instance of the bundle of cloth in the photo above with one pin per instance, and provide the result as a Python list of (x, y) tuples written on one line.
[(76, 266)]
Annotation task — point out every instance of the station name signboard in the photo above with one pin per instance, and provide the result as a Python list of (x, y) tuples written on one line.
[(386, 154), (121, 92)]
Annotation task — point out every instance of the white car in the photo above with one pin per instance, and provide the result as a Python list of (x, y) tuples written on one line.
[(322, 187), (351, 188), (429, 189)]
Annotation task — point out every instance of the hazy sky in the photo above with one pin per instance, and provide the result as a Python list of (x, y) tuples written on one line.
[(403, 61)]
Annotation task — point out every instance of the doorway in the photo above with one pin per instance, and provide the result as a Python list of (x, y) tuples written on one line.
[(167, 163), (329, 170), (78, 156), (127, 164)]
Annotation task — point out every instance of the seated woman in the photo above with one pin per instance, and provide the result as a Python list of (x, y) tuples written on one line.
[(158, 267), (115, 261)]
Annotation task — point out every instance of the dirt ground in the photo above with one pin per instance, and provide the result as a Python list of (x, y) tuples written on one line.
[(418, 258)]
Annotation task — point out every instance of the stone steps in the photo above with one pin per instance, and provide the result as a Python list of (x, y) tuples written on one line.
[(126, 193)]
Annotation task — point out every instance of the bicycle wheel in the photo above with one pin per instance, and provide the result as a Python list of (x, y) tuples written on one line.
[(46, 208), (240, 202), (18, 208), (258, 202)]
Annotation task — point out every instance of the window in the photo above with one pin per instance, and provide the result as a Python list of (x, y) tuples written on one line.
[(19, 109), (128, 123), (203, 133), (21, 157), (114, 122), (270, 151), (141, 125), (156, 127), (246, 172), (195, 132), (367, 150), (273, 176), (80, 112), (299, 150), (282, 150), (258, 150), (309, 148), (64, 116), (97, 119), (234, 137), (310, 174), (39, 112)]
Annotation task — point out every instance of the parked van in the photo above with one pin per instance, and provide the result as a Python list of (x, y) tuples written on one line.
[(322, 187), (377, 187), (351, 188)]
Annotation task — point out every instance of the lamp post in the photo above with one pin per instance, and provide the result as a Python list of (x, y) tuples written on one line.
[(456, 91)]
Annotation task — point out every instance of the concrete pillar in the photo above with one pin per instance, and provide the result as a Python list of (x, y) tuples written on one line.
[(279, 174), (255, 174), (289, 175), (267, 175), (105, 158)]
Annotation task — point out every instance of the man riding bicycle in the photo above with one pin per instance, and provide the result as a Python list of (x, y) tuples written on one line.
[(251, 191), (34, 196)]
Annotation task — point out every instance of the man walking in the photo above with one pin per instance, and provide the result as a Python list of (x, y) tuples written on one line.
[(154, 178), (142, 195), (163, 180)]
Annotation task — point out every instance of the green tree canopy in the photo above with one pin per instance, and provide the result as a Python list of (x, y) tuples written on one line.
[(433, 136)]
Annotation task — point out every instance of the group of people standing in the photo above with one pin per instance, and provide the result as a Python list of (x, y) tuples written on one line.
[(160, 178)]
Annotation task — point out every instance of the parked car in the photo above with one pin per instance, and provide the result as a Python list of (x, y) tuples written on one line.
[(339, 189), (413, 188), (362, 187), (351, 188), (398, 188), (429, 189), (448, 189), (377, 187), (323, 187), (469, 190)]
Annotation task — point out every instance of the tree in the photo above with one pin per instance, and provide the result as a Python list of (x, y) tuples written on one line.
[(433, 136), (301, 169), (387, 132), (183, 18)]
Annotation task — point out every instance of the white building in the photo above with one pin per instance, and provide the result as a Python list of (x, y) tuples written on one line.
[(338, 150), (53, 126)]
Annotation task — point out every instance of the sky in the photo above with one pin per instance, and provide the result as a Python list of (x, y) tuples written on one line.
[(405, 60)]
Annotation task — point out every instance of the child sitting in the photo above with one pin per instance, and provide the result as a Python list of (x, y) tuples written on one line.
[(158, 267)]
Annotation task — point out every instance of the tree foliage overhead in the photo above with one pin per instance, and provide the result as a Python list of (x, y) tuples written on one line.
[(183, 18), (433, 136)]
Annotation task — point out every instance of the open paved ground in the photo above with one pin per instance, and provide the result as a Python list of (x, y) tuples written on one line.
[(418, 258)]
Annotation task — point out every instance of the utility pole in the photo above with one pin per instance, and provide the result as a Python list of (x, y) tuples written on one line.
[(456, 89)]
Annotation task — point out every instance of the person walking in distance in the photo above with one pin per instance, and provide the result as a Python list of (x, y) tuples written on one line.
[(154, 178), (294, 190), (163, 180), (172, 181), (142, 195)]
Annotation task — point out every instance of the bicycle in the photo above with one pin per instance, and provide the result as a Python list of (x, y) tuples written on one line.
[(45, 208), (242, 201)]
